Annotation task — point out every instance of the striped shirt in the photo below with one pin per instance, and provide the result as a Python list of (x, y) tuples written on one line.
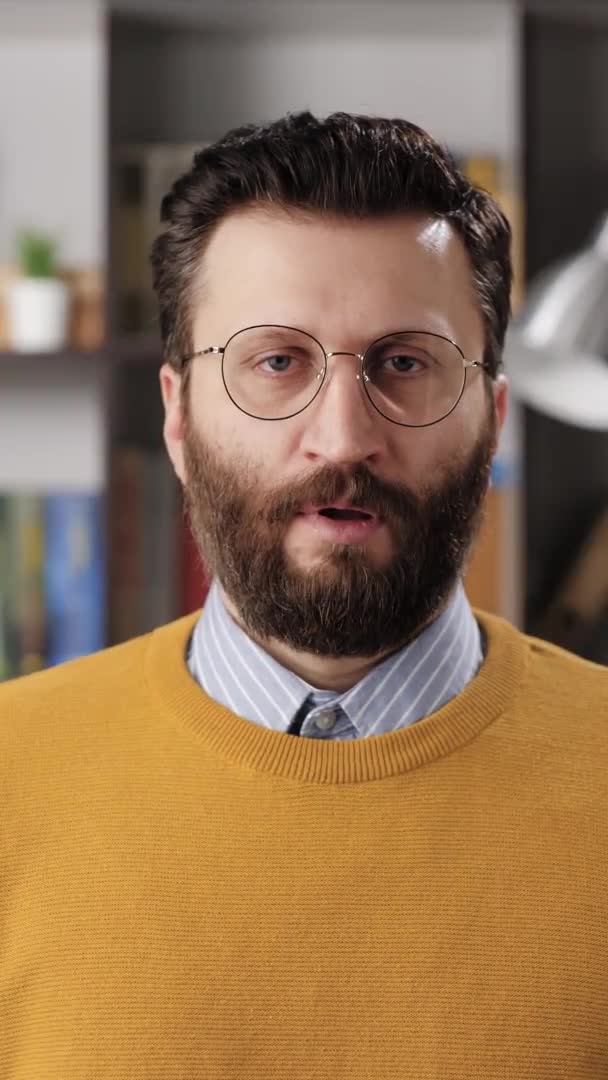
[(413, 683)]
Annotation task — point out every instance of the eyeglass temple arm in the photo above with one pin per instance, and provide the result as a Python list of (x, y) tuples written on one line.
[(477, 363), (217, 349)]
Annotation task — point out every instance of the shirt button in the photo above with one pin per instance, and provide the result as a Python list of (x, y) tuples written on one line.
[(325, 720)]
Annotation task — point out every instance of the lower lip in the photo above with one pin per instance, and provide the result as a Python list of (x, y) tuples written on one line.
[(342, 532)]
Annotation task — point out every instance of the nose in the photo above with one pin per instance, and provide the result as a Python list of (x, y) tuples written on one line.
[(341, 424)]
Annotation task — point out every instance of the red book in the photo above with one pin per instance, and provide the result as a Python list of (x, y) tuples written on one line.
[(194, 576)]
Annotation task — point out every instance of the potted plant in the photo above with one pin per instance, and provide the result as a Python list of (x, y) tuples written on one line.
[(37, 299)]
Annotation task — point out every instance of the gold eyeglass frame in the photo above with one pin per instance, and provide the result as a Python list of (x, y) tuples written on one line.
[(219, 350)]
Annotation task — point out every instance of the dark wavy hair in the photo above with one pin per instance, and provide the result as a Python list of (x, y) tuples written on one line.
[(347, 165)]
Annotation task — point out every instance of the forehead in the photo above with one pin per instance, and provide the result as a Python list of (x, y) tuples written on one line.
[(335, 276)]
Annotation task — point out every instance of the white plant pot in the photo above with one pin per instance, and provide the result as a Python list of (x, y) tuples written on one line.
[(37, 310)]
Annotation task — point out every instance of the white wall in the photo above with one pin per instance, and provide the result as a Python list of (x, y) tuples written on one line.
[(52, 425), (52, 125), (52, 177), (452, 67)]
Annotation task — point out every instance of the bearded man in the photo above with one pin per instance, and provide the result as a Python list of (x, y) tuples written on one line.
[(336, 824)]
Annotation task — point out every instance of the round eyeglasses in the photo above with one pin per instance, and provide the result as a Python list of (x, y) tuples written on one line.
[(412, 377)]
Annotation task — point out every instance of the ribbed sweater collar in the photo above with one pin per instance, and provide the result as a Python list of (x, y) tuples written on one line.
[(242, 742)]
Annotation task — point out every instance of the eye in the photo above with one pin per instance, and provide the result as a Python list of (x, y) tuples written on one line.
[(278, 362), (404, 363), (284, 363), (388, 362)]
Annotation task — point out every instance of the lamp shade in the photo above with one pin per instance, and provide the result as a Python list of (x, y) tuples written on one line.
[(556, 353)]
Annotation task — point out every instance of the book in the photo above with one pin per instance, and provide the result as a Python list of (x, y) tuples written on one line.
[(24, 600), (497, 177), (23, 631), (159, 601), (75, 575), (495, 574), (145, 542), (195, 577), (143, 173), (126, 542)]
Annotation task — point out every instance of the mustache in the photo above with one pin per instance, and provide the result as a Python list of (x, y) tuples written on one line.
[(360, 488)]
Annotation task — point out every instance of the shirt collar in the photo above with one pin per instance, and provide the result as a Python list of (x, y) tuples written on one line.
[(412, 683)]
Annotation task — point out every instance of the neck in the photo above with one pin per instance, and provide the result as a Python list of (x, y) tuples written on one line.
[(338, 673)]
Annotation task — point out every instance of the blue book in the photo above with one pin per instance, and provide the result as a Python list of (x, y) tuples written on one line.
[(74, 575)]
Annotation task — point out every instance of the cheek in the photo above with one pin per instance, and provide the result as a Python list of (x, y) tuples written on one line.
[(426, 454), (237, 436), (420, 456), (211, 411)]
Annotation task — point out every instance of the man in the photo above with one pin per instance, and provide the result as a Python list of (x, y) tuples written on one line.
[(336, 825)]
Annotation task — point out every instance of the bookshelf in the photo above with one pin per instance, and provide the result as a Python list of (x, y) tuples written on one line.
[(129, 350), (74, 356)]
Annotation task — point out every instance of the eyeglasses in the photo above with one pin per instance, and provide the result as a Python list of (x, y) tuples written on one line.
[(412, 377)]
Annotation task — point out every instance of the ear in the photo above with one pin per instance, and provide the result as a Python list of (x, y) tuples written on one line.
[(174, 425), (500, 390)]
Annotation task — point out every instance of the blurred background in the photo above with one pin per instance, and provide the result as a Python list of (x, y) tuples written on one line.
[(102, 105)]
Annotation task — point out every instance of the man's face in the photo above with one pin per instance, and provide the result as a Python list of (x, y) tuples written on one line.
[(246, 480)]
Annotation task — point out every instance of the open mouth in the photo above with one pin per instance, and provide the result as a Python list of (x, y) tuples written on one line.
[(341, 524), (345, 515)]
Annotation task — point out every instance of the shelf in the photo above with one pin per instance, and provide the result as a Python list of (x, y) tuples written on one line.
[(72, 355), (139, 350)]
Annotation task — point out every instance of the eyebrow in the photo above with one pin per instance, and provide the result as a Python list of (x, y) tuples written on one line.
[(411, 326)]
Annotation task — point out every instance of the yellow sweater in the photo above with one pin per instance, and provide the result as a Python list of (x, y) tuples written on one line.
[(185, 895)]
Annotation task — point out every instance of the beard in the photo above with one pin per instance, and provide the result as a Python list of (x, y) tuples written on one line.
[(343, 605)]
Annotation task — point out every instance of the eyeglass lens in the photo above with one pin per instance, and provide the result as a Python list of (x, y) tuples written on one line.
[(273, 372)]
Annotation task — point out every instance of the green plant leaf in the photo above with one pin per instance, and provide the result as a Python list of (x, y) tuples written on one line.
[(37, 254)]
